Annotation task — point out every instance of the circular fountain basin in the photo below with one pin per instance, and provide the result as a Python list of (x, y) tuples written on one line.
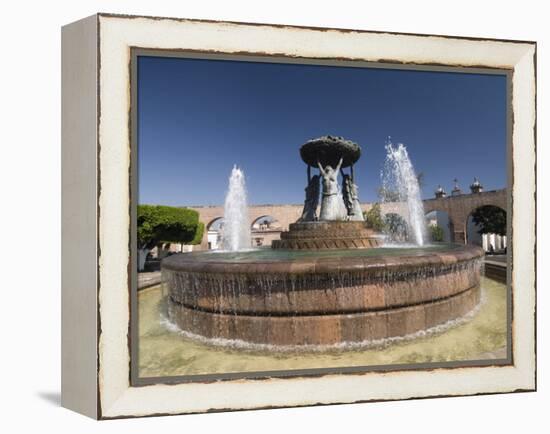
[(300, 298)]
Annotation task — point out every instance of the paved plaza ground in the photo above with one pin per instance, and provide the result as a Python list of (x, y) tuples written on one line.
[(496, 258), (149, 278), (165, 351)]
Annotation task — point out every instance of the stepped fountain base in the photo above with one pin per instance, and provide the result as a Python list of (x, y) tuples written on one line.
[(321, 235), (294, 298)]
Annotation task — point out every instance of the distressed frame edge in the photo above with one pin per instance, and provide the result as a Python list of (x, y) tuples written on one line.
[(114, 412), (304, 27), (80, 181)]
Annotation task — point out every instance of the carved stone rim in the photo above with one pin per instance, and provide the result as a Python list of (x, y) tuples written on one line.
[(188, 262)]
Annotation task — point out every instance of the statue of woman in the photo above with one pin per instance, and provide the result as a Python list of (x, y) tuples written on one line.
[(351, 199), (332, 205), (309, 213)]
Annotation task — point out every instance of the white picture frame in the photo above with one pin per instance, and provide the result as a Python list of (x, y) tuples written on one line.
[(96, 181)]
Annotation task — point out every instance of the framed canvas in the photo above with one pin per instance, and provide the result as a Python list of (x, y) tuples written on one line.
[(263, 216)]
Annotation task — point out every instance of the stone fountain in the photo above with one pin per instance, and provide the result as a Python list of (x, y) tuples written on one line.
[(340, 224), (328, 281)]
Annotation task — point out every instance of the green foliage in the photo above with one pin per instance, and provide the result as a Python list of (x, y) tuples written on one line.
[(159, 223), (374, 218), (391, 224), (198, 234), (437, 233), (491, 220), (396, 227)]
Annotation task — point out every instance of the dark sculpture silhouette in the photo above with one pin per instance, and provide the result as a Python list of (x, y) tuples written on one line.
[(351, 198), (311, 202)]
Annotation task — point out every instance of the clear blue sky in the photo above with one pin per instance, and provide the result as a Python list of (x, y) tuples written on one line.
[(199, 117)]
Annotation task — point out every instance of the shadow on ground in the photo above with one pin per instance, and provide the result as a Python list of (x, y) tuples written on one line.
[(52, 398)]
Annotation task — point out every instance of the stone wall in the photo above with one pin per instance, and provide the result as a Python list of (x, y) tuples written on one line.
[(458, 208), (265, 237), (284, 214)]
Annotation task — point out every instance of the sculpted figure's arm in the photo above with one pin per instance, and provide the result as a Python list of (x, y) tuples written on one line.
[(339, 165), (321, 168)]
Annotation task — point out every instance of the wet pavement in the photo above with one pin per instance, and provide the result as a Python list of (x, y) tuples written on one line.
[(164, 351)]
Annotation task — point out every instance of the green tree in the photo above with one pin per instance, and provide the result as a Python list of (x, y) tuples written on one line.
[(374, 219), (490, 219), (436, 233), (198, 234), (158, 224), (396, 227)]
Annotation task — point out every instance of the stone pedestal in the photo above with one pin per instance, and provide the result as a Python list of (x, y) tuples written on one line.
[(323, 235)]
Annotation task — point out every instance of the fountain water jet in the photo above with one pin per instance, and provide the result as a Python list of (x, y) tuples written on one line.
[(399, 177), (236, 230)]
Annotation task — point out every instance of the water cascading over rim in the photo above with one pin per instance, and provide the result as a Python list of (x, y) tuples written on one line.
[(320, 302)]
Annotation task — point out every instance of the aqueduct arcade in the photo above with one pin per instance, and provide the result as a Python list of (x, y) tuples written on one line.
[(267, 221)]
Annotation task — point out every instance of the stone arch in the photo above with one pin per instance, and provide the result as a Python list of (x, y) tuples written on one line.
[(264, 222), (213, 233), (264, 229), (477, 205), (459, 207), (212, 223), (445, 220), (437, 205), (283, 214)]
